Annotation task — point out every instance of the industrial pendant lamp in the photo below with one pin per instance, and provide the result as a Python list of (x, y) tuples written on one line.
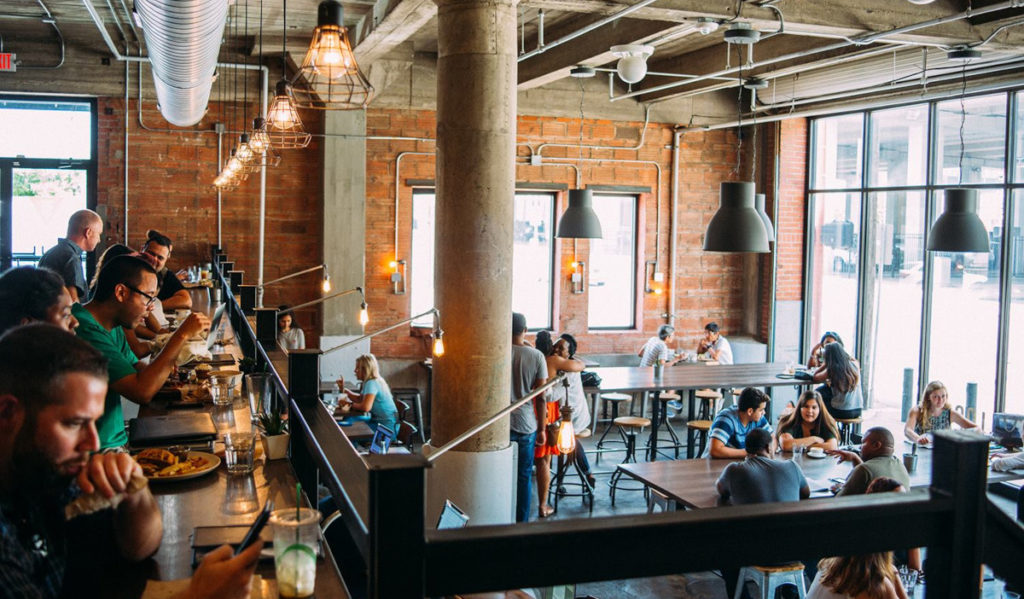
[(579, 221), (737, 226), (284, 127), (958, 228), (759, 204), (329, 77)]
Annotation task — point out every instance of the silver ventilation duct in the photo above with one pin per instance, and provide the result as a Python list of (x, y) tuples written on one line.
[(183, 38)]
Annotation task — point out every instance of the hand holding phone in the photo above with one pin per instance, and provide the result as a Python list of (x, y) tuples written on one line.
[(257, 527)]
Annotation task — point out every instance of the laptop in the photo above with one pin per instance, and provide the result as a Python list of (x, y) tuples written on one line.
[(451, 516), (177, 428), (1007, 429), (382, 439)]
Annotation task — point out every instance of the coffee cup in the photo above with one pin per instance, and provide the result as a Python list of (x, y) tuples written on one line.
[(910, 461), (816, 452)]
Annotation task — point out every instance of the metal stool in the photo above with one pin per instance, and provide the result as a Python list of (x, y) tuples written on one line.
[(692, 428), (660, 500), (846, 426), (567, 465), (412, 395), (709, 401), (665, 425), (632, 424), (615, 399), (770, 578)]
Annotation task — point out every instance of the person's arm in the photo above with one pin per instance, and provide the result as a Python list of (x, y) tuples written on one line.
[(820, 375), (856, 483), (722, 484), (908, 430), (959, 420), (180, 299), (300, 338), (138, 526), (540, 407), (721, 450), (845, 456), (221, 576), (788, 442), (914, 559), (141, 386), (140, 348), (1010, 462), (556, 363), (812, 361)]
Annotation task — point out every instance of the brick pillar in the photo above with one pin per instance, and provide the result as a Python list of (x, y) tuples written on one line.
[(476, 129)]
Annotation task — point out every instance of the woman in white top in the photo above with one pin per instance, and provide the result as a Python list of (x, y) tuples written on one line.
[(289, 335), (870, 576)]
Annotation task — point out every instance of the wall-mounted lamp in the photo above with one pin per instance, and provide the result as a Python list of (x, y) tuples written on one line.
[(577, 281), (325, 285), (651, 275), (364, 316), (398, 277), (437, 334)]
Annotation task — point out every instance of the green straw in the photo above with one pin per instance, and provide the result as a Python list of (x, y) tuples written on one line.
[(298, 513)]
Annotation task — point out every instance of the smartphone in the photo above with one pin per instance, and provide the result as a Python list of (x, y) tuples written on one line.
[(257, 527)]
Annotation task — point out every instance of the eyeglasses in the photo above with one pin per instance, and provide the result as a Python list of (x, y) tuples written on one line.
[(150, 299)]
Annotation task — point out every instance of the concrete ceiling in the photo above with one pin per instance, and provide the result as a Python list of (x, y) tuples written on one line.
[(823, 41)]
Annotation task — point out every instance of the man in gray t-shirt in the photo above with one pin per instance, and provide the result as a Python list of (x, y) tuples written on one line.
[(529, 371)]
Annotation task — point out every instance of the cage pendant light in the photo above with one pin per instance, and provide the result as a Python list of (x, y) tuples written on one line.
[(284, 127), (330, 78)]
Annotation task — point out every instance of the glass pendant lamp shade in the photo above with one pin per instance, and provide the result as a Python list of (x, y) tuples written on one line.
[(329, 77), (579, 220), (759, 204), (958, 228), (736, 227)]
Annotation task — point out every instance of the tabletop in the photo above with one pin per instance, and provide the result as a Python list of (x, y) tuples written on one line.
[(693, 376)]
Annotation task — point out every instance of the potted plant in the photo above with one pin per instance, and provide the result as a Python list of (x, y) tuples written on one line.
[(275, 434)]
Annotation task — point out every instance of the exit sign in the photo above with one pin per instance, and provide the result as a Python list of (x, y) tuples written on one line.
[(7, 64)]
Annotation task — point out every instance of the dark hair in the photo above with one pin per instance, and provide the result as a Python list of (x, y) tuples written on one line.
[(665, 330), (883, 484), (120, 270), (571, 342), (158, 238), (518, 323), (112, 251), (286, 310), (833, 335), (758, 440), (751, 398), (842, 374), (35, 357), (27, 293), (711, 327), (543, 343), (825, 421)]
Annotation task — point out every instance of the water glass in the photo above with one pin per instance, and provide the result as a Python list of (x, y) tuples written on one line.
[(257, 388), (224, 419), (220, 392), (239, 452), (296, 536)]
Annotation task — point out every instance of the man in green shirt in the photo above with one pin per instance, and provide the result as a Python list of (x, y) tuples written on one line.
[(125, 291)]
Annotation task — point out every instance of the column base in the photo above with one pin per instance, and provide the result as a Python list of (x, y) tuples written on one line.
[(481, 483)]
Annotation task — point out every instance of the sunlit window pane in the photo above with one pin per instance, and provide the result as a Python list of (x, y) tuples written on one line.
[(27, 129), (1018, 163), (421, 263), (611, 287), (1015, 356), (838, 152), (834, 259), (983, 140), (899, 146)]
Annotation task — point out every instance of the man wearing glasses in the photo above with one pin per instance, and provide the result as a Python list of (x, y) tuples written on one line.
[(123, 295)]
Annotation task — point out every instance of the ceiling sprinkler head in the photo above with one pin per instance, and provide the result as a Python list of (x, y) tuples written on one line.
[(742, 33), (706, 25)]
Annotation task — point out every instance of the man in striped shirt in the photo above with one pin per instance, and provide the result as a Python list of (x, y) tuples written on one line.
[(657, 349), (731, 426)]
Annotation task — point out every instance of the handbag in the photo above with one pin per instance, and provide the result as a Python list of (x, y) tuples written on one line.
[(590, 379)]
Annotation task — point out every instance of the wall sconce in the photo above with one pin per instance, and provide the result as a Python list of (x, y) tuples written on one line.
[(398, 277), (576, 279), (437, 334), (651, 275), (325, 285), (364, 316)]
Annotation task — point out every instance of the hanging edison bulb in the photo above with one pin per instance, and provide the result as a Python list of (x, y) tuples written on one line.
[(284, 127), (259, 143), (243, 151), (364, 318), (329, 77), (438, 343)]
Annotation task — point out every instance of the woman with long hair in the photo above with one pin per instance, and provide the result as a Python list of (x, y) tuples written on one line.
[(841, 377), (809, 425), (374, 394), (933, 413), (869, 576), (289, 333)]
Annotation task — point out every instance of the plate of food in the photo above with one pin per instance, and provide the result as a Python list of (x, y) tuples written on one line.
[(163, 464)]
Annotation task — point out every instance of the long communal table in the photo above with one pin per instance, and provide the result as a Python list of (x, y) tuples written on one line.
[(688, 377)]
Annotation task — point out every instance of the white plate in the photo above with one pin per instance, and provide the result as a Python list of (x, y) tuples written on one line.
[(816, 456), (211, 463)]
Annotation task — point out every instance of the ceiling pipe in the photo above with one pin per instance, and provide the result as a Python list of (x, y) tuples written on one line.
[(183, 39), (861, 40), (583, 31)]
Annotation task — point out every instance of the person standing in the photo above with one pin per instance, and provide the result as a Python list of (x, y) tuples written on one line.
[(173, 295), (526, 425), (85, 229)]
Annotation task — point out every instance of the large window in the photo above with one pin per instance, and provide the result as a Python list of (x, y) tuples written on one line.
[(611, 287), (910, 314), (532, 256)]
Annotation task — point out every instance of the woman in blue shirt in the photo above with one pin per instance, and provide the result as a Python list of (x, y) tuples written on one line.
[(374, 395)]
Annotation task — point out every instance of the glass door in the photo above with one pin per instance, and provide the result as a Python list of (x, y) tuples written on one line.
[(42, 201)]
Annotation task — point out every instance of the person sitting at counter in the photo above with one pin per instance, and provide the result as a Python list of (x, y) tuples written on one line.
[(374, 395), (714, 346), (808, 425), (138, 338), (876, 460), (732, 425), (289, 333), (933, 414), (61, 533), (34, 294), (125, 289), (172, 295)]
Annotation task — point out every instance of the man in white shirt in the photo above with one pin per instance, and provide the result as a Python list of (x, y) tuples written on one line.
[(714, 345), (656, 349)]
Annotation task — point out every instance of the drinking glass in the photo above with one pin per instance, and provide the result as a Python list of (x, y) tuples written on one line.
[(220, 392), (296, 533), (257, 387), (224, 419), (239, 452)]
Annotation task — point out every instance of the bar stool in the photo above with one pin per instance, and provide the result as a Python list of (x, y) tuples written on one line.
[(659, 500), (632, 425), (846, 426), (770, 578), (614, 399), (665, 425), (567, 464), (709, 402), (694, 427), (412, 395)]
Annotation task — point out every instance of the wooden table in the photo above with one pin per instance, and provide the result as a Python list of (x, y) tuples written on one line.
[(691, 483), (688, 377)]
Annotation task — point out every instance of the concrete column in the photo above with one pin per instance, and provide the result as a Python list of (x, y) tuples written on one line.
[(476, 127)]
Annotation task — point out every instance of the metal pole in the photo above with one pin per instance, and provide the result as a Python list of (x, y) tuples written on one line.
[(908, 393)]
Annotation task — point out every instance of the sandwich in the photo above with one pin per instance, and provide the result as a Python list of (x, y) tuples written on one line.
[(89, 503)]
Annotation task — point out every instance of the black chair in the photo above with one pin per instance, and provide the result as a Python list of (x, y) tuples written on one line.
[(406, 432), (413, 398)]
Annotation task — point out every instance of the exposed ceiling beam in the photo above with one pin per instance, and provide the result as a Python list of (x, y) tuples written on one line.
[(591, 48), (405, 18)]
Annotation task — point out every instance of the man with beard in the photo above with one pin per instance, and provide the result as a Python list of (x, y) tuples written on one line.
[(125, 290), (52, 388)]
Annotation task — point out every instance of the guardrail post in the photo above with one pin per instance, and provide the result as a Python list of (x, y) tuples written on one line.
[(266, 328), (247, 298), (960, 471), (226, 266), (235, 278), (304, 376), (396, 525)]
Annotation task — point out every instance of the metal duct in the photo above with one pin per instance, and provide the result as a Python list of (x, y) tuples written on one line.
[(183, 38)]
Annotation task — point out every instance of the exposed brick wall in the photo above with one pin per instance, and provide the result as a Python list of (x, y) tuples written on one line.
[(709, 286), (170, 176)]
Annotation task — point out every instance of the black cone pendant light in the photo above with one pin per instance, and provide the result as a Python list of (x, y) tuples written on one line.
[(736, 227), (759, 204), (958, 228), (579, 220)]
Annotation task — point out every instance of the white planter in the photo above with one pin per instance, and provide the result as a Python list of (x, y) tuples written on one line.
[(275, 447)]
